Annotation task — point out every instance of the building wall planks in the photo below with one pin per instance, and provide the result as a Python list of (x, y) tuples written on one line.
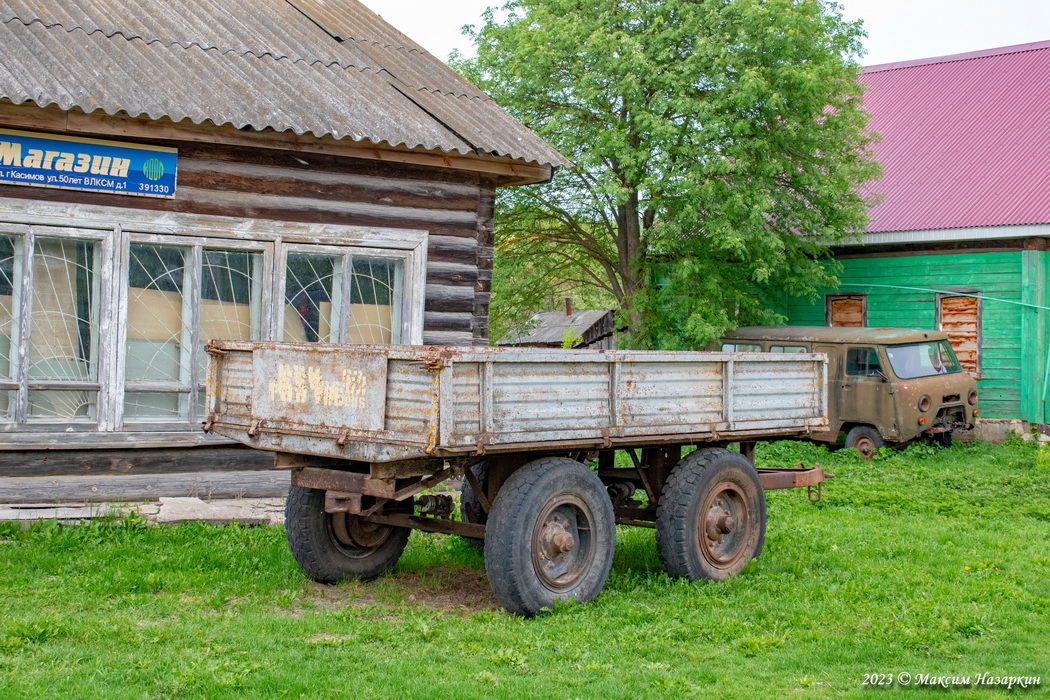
[(897, 304), (454, 207)]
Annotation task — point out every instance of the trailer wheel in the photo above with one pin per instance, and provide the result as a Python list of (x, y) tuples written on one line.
[(330, 547), (865, 440), (470, 509), (711, 519), (550, 536)]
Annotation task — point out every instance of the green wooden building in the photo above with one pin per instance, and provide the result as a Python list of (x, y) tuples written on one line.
[(960, 241)]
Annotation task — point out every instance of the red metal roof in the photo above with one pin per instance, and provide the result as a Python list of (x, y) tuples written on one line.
[(965, 139)]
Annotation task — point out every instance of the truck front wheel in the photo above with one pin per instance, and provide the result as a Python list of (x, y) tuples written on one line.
[(330, 547), (550, 536), (865, 440), (711, 519)]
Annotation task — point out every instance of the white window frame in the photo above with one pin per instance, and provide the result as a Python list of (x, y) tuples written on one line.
[(116, 228)]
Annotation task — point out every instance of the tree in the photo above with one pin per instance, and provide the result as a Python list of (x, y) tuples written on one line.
[(720, 146)]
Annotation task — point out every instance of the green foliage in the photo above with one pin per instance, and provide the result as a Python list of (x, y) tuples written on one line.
[(719, 146), (570, 339)]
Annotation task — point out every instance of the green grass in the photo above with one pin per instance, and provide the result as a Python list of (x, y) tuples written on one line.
[(922, 561)]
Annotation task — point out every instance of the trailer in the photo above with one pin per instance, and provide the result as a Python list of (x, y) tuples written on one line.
[(369, 431)]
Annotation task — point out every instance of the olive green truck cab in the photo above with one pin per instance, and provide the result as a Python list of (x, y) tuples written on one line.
[(886, 386)]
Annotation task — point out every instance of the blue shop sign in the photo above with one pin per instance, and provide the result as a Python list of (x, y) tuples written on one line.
[(73, 163)]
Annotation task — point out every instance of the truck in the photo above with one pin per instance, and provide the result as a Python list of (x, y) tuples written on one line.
[(368, 432), (888, 386)]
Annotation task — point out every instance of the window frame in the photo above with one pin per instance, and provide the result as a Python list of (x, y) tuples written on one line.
[(979, 296), (21, 383), (196, 246), (829, 298), (347, 255), (115, 228), (872, 350)]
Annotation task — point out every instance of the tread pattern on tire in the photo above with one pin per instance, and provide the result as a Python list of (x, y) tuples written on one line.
[(314, 548), (676, 536), (466, 495), (505, 559)]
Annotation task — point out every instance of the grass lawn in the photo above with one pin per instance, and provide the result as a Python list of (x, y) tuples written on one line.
[(924, 561)]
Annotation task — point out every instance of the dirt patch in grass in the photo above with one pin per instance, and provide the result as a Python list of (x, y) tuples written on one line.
[(461, 591)]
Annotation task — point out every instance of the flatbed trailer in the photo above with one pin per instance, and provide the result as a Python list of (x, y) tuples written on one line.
[(368, 430)]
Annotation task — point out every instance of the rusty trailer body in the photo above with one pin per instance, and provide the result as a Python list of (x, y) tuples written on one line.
[(367, 430)]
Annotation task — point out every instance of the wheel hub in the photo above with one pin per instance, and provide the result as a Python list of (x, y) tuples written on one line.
[(865, 445), (724, 524), (357, 535), (561, 543)]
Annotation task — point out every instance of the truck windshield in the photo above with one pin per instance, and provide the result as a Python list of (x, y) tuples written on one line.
[(922, 359)]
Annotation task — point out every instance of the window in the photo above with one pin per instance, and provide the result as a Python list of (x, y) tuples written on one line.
[(342, 298), (846, 310), (922, 359), (863, 362), (960, 317), (103, 329), (788, 348), (49, 326), (741, 347), (178, 298)]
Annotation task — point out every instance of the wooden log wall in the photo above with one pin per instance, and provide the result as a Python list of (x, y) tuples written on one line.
[(456, 207)]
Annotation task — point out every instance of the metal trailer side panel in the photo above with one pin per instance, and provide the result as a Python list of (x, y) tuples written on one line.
[(380, 404)]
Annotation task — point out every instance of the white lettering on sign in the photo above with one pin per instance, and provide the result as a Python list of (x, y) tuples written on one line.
[(298, 384), (11, 154)]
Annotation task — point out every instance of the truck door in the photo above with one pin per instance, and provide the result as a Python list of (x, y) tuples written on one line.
[(865, 393), (835, 380)]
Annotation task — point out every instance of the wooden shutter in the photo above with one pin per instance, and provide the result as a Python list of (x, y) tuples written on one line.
[(959, 317), (846, 311)]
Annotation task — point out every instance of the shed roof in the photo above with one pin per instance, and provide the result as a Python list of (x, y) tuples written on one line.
[(306, 66), (550, 328), (965, 139)]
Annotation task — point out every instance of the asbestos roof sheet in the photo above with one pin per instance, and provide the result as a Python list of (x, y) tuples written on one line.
[(965, 139), (287, 65), (552, 327)]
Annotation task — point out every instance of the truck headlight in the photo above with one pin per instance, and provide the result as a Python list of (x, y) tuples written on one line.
[(924, 404), (972, 397)]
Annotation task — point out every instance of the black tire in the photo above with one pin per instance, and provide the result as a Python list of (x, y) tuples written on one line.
[(711, 519), (865, 440), (944, 439), (550, 536), (331, 547), (470, 510)]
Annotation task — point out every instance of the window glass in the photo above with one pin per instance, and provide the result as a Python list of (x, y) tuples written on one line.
[(863, 362), (157, 331), (375, 286), (312, 303), (788, 348), (63, 336), (10, 285), (231, 298), (741, 347), (922, 359)]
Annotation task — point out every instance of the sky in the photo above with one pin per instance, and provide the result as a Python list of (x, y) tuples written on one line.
[(898, 30)]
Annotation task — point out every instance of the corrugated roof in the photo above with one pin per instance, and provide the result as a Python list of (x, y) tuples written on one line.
[(287, 65), (552, 327), (965, 139)]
